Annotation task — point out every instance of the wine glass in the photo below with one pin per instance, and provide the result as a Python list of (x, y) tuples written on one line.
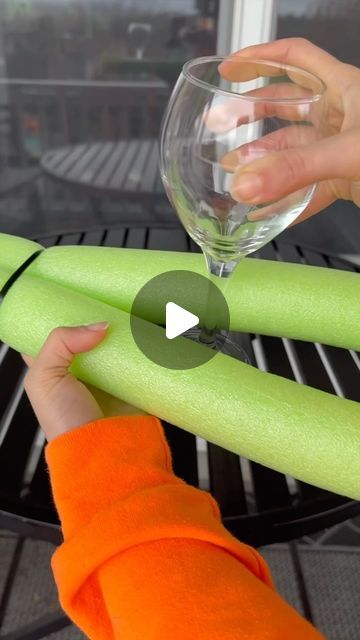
[(223, 114)]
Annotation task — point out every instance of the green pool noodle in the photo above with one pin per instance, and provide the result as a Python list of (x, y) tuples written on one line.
[(14, 251), (309, 434), (267, 297), (264, 296)]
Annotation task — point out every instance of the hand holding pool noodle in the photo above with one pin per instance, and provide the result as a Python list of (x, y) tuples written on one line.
[(295, 429)]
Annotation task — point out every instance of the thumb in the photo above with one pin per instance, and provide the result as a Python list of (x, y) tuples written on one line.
[(281, 173), (60, 401), (62, 344)]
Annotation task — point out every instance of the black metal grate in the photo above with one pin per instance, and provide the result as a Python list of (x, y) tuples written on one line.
[(258, 505)]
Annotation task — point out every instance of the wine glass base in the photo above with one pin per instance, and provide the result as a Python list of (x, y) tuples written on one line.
[(222, 343)]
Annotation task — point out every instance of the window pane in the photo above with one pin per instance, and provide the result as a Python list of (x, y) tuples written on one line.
[(331, 24), (334, 26), (76, 73)]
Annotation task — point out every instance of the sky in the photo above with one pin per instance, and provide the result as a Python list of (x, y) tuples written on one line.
[(179, 6), (298, 7), (286, 7)]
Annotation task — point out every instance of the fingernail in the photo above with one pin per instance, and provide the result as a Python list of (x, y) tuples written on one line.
[(246, 186), (304, 110), (97, 326)]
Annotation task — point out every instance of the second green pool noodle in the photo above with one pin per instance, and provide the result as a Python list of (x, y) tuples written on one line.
[(265, 297), (14, 250), (295, 429)]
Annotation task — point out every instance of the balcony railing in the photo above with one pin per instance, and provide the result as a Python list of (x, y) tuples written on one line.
[(37, 115)]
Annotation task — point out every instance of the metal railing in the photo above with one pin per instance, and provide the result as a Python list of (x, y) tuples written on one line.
[(36, 115)]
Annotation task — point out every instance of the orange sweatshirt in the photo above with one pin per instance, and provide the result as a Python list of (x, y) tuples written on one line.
[(145, 556)]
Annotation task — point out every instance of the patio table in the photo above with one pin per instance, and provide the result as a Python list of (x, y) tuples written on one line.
[(258, 505), (127, 168)]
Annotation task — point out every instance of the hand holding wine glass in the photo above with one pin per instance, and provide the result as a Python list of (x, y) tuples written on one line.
[(333, 159), (226, 114)]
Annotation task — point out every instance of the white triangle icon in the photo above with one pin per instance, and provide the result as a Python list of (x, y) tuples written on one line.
[(178, 320)]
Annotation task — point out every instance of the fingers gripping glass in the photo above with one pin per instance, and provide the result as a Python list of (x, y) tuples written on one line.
[(227, 117)]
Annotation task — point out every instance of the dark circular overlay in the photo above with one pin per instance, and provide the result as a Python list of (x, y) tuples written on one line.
[(194, 293)]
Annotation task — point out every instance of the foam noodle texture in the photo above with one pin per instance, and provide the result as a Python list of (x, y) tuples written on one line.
[(295, 429), (13, 253), (266, 297), (5, 274)]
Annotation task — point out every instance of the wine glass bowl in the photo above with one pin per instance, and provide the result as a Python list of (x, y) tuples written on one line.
[(224, 114)]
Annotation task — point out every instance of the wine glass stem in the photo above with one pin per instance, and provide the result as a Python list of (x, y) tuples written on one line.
[(217, 269), (208, 336)]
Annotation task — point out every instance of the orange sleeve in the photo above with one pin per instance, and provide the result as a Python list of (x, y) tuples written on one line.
[(145, 555)]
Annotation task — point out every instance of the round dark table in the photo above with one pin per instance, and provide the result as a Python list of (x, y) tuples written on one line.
[(127, 168), (258, 505)]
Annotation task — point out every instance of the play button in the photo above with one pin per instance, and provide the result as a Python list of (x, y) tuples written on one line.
[(178, 320), (170, 305)]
